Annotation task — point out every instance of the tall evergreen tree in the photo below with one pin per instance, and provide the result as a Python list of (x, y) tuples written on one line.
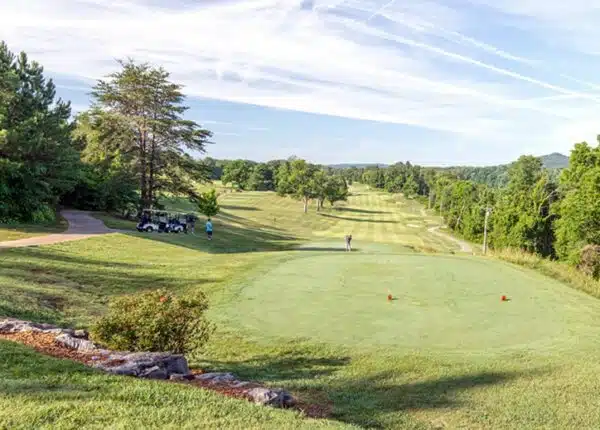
[(38, 161), (152, 108)]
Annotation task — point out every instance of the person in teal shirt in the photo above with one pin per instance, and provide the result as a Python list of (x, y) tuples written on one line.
[(209, 229)]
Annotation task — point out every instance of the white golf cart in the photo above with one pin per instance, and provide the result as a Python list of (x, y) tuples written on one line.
[(162, 222)]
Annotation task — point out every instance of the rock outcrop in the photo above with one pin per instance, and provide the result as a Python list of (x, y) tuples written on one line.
[(150, 365)]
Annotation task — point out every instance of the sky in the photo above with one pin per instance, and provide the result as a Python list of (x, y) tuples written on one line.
[(436, 82)]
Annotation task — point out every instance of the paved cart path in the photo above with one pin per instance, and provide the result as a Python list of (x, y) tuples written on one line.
[(81, 226)]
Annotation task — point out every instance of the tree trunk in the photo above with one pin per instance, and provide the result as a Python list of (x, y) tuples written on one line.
[(305, 205), (151, 170), (143, 183)]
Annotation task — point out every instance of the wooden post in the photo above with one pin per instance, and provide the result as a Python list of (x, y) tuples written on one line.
[(485, 229)]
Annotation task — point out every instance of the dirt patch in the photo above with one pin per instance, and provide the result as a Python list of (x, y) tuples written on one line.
[(45, 343)]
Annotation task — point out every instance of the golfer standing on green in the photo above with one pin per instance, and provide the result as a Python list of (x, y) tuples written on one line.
[(209, 229)]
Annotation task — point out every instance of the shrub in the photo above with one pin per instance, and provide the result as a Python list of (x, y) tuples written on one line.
[(589, 261), (155, 321)]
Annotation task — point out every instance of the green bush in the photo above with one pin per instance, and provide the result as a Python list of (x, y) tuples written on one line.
[(589, 261), (155, 321)]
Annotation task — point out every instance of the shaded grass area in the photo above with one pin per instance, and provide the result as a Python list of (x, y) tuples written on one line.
[(43, 392), (23, 231), (71, 283), (390, 390)]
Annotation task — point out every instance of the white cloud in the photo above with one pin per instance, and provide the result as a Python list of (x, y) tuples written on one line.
[(400, 62)]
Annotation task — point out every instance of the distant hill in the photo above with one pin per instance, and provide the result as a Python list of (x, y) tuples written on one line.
[(551, 161), (357, 165), (555, 161)]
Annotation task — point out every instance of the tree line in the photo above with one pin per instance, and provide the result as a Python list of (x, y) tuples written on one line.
[(293, 177), (553, 213)]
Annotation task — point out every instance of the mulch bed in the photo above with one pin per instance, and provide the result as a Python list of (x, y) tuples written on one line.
[(45, 343)]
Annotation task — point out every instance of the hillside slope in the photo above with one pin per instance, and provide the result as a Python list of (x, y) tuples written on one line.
[(555, 161)]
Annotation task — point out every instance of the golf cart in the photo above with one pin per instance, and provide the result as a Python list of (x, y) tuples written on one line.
[(162, 222), (153, 220), (177, 223)]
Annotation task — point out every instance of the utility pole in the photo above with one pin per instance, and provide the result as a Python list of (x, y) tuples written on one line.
[(488, 210)]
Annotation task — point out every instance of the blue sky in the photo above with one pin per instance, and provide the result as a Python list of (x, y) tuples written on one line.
[(436, 82)]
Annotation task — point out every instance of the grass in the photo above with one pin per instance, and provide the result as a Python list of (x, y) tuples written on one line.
[(292, 311), (554, 269), (342, 299), (258, 221), (23, 231), (40, 392)]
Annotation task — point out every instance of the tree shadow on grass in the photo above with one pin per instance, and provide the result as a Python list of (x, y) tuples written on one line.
[(240, 208), (227, 239), (267, 369), (322, 249), (64, 257), (359, 211), (376, 221), (36, 287), (365, 401)]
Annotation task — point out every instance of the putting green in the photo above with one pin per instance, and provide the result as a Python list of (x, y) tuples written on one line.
[(443, 303)]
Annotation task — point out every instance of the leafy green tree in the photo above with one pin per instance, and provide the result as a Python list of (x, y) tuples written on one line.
[(207, 203), (336, 189), (523, 217), (579, 223), (261, 178), (106, 182), (296, 178), (319, 184), (38, 160), (237, 173), (374, 177), (151, 106), (410, 187)]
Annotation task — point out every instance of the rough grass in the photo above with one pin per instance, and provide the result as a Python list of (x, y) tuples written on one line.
[(302, 327), (23, 231), (554, 269)]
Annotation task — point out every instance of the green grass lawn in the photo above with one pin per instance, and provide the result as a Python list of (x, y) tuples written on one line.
[(341, 298), (23, 231), (296, 312), (45, 393)]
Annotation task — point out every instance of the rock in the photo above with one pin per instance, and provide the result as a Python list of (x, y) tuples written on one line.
[(180, 377), (69, 341), (127, 369), (153, 365), (81, 334), (172, 363), (267, 397), (240, 384), (10, 325), (154, 372), (216, 377)]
